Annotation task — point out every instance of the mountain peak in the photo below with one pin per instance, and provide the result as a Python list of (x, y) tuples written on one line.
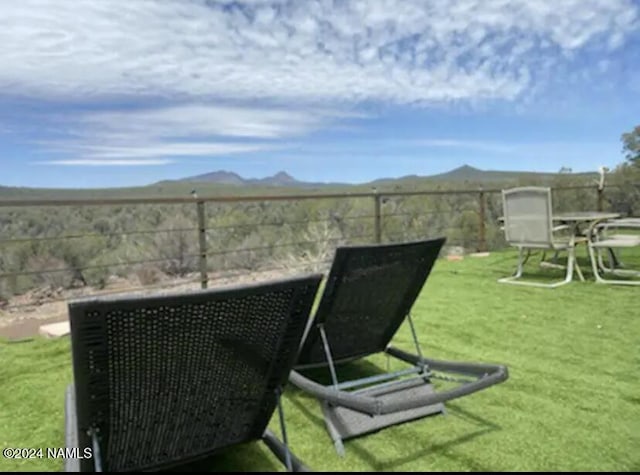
[(220, 176), (466, 169), (280, 178)]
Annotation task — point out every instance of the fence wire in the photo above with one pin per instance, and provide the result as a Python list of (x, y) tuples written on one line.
[(244, 235)]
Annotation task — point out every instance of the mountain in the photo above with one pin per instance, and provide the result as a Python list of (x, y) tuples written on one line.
[(221, 177), (470, 175), (281, 179), (224, 183), (467, 173), (463, 174)]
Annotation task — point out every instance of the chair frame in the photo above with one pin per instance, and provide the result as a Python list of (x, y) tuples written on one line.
[(85, 397), (279, 448), (596, 245), (572, 263), (362, 396)]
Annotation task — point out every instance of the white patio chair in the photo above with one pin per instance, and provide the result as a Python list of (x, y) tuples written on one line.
[(606, 236), (528, 224)]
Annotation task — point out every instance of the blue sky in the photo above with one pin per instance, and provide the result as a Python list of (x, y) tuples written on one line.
[(106, 93)]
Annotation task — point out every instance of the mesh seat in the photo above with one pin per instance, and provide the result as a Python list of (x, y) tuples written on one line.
[(164, 380), (369, 293), (618, 241)]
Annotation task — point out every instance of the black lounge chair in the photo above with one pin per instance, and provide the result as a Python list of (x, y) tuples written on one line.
[(162, 381), (369, 293)]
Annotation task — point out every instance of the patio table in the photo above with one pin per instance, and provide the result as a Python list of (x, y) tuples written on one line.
[(575, 219), (580, 217)]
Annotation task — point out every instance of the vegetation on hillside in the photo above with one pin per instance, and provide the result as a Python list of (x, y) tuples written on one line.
[(631, 145), (68, 246)]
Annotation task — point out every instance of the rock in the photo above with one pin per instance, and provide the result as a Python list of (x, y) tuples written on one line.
[(55, 330), (77, 284), (455, 251)]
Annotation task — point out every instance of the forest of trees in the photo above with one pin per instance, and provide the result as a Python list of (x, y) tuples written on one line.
[(64, 246)]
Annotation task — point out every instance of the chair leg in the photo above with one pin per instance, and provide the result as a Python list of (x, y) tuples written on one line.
[(521, 263), (596, 263), (611, 259), (571, 265), (333, 432), (71, 429), (281, 448), (576, 265), (601, 265), (615, 264), (280, 451)]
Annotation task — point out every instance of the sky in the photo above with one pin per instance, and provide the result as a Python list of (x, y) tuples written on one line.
[(110, 93)]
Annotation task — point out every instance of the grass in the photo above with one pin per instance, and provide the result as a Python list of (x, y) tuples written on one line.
[(572, 402)]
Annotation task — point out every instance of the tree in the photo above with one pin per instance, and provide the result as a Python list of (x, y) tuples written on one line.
[(631, 142)]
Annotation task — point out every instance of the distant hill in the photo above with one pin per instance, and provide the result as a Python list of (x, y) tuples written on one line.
[(222, 177), (463, 174), (224, 183), (468, 174), (281, 179)]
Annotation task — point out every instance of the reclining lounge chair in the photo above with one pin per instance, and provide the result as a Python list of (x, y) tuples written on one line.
[(161, 381), (369, 293)]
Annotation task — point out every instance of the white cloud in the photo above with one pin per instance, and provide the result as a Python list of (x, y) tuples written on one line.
[(404, 51), (208, 120), (161, 149), (185, 67), (106, 163), (189, 130)]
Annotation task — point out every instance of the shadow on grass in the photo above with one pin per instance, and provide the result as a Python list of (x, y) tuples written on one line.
[(250, 457), (433, 449), (507, 264), (360, 369), (484, 427), (344, 372), (302, 400)]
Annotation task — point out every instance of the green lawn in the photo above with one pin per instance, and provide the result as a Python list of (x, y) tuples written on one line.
[(572, 402)]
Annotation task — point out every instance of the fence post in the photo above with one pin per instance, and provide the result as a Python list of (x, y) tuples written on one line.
[(600, 198), (482, 232), (377, 200), (202, 235), (603, 171)]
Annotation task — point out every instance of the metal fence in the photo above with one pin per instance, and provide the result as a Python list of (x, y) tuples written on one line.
[(66, 243)]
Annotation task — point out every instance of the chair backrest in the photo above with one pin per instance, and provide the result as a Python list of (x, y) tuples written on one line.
[(528, 216), (369, 292), (170, 378)]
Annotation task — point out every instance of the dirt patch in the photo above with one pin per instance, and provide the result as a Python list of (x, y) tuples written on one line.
[(28, 327), (22, 316)]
